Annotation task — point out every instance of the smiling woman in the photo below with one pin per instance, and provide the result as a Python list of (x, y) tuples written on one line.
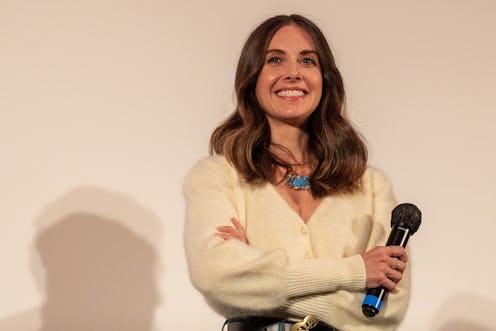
[(284, 220), (289, 86)]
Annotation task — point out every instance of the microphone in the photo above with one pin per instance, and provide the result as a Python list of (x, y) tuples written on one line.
[(405, 221)]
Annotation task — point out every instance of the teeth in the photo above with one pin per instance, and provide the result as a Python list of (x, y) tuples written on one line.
[(290, 93)]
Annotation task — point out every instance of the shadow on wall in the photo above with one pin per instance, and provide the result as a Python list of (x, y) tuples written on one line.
[(95, 259), (466, 312)]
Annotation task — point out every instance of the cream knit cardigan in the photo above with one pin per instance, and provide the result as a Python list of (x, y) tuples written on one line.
[(289, 268)]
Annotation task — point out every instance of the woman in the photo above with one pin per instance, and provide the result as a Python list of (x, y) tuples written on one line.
[(285, 219)]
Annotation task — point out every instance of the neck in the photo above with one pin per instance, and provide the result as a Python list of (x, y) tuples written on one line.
[(296, 141)]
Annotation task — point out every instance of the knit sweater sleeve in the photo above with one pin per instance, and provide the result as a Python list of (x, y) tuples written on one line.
[(234, 277)]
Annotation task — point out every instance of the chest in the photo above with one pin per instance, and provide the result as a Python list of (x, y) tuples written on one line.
[(300, 201), (331, 227)]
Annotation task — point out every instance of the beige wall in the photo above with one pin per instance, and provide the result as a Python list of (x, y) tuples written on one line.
[(104, 105)]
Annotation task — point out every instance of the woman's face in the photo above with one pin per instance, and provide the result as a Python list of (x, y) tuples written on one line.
[(289, 86)]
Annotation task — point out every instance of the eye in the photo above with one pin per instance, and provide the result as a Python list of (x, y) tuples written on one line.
[(308, 61), (274, 59)]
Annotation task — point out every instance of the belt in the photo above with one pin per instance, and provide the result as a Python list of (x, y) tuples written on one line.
[(309, 323)]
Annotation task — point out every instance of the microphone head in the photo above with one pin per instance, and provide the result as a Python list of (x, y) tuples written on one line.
[(406, 215)]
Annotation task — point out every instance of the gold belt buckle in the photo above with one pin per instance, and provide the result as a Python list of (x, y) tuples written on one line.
[(309, 322)]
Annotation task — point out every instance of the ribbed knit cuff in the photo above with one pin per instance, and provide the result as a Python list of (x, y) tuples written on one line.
[(308, 276)]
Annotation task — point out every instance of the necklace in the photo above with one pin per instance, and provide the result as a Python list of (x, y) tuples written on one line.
[(294, 180), (298, 182)]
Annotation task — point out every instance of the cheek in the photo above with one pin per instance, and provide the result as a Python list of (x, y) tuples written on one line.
[(318, 80), (267, 78), (319, 86), (263, 87)]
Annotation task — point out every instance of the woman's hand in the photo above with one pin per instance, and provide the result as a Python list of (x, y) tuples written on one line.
[(384, 266), (232, 232)]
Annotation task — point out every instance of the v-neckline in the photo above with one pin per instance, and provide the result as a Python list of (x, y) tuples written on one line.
[(295, 212)]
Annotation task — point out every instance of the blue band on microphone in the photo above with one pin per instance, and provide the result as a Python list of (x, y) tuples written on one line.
[(373, 301)]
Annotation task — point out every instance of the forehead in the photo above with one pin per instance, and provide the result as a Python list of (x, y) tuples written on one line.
[(291, 36)]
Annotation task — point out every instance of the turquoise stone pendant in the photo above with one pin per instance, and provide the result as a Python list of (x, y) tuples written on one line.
[(298, 182)]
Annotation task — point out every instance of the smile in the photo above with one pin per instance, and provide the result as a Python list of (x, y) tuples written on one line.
[(290, 93)]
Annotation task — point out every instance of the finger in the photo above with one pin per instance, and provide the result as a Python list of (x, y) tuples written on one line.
[(395, 263), (230, 231), (399, 252), (389, 284), (237, 225), (401, 266), (241, 229), (229, 235), (226, 229), (394, 275), (224, 236)]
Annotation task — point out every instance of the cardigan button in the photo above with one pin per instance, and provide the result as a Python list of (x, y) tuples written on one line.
[(307, 255), (304, 230)]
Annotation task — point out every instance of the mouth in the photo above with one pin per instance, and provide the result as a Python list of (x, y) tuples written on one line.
[(291, 93)]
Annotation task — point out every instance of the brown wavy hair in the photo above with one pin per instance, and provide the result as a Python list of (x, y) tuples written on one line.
[(244, 136)]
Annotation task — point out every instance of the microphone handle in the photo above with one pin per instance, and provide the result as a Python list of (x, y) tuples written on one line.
[(372, 302), (399, 236)]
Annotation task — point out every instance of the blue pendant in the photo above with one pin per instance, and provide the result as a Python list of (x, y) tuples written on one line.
[(298, 182)]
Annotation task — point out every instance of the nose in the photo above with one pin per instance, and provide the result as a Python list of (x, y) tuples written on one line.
[(292, 73), (292, 76)]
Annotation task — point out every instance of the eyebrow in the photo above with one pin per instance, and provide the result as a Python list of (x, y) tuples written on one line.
[(304, 52)]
